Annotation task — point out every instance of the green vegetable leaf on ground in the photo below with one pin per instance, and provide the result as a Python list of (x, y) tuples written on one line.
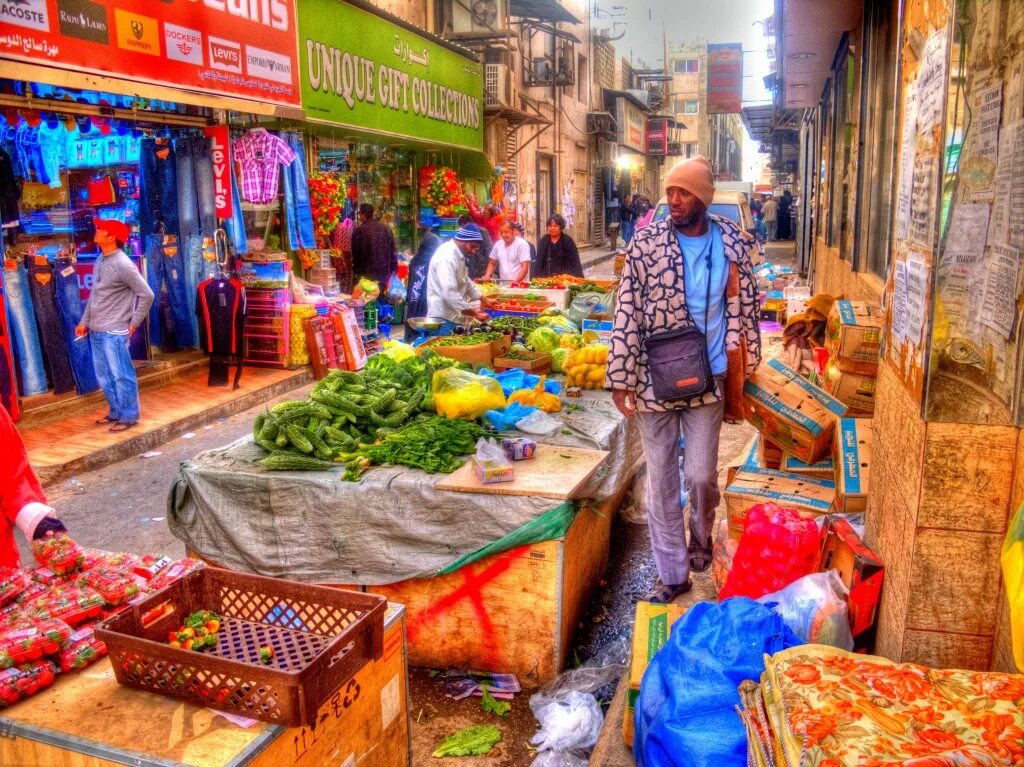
[(493, 706), (472, 741)]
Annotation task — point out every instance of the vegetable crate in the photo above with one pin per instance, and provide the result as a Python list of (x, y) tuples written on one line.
[(483, 353), (532, 362), (321, 637)]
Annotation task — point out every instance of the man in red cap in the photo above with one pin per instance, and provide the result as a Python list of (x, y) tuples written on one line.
[(118, 304), (22, 503)]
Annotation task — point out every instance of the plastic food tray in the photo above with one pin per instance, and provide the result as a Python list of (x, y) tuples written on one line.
[(320, 636)]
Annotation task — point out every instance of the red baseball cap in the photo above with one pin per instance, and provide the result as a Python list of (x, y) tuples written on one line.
[(114, 228)]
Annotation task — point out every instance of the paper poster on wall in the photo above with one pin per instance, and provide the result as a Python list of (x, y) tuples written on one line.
[(922, 195), (999, 223), (999, 310), (899, 302), (978, 167), (1015, 219), (931, 82), (968, 231), (917, 297), (907, 146)]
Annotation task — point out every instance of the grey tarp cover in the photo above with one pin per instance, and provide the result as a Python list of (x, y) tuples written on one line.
[(392, 525)]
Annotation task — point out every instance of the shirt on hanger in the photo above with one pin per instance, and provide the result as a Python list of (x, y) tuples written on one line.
[(259, 153)]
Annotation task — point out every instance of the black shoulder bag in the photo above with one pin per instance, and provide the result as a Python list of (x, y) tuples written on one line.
[(677, 360)]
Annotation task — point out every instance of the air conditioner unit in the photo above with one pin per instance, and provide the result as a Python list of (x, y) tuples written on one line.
[(496, 85), (476, 16)]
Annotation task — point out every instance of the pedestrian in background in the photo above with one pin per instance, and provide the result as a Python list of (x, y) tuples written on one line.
[(557, 252), (477, 261), (770, 214), (785, 215), (690, 270), (510, 256), (419, 268), (374, 253), (118, 304), (628, 217)]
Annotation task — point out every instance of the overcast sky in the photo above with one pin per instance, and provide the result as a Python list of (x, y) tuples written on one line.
[(717, 21)]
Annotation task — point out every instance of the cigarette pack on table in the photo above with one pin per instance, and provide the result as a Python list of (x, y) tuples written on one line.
[(519, 448)]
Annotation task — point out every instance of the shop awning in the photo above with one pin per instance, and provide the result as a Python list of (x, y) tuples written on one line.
[(542, 10)]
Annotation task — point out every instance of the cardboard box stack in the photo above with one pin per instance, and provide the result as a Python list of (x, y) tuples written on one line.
[(852, 338), (852, 458), (752, 486)]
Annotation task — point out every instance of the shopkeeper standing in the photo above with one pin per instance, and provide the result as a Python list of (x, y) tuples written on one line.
[(118, 303), (451, 294), (22, 503), (374, 254)]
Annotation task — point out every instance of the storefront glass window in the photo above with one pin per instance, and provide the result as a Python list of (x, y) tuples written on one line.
[(975, 361)]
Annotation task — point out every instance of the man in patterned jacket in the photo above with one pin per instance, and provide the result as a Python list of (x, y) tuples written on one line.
[(665, 286)]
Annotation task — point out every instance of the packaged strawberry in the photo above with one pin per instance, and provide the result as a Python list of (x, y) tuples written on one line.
[(149, 565), (29, 640), (32, 592), (60, 553), (25, 680), (173, 572), (73, 605), (115, 586), (13, 580), (81, 650)]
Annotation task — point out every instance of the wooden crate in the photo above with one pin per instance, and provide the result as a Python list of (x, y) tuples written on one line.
[(87, 720), (475, 353), (515, 611), (538, 363)]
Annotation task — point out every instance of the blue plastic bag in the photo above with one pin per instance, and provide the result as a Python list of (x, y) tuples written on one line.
[(686, 712), (507, 418), (515, 379)]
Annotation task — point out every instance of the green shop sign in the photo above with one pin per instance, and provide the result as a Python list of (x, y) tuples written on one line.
[(361, 70)]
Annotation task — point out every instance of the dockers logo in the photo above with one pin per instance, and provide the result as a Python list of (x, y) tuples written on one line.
[(183, 44), (25, 13), (137, 33), (226, 55), (83, 19)]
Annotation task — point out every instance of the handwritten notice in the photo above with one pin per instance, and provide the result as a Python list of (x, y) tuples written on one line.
[(988, 106), (932, 82), (999, 309), (899, 302), (968, 231), (999, 222), (922, 195), (1015, 226), (907, 147), (917, 297)]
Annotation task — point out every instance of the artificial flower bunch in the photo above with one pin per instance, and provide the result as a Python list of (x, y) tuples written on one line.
[(327, 199)]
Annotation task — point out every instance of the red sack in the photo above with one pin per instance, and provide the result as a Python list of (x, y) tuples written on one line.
[(778, 547)]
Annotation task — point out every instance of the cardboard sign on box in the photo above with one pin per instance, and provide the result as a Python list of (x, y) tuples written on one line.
[(855, 390), (809, 496), (859, 568), (823, 469), (651, 630), (852, 449), (853, 336), (791, 412)]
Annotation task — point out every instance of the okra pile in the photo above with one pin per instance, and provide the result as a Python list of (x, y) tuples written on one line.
[(349, 416)]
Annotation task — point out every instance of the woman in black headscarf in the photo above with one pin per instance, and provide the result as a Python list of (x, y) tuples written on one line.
[(557, 252)]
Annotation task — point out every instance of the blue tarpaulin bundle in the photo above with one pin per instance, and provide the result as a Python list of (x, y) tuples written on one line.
[(686, 713)]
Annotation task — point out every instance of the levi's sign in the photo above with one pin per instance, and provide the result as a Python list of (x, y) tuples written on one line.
[(361, 70)]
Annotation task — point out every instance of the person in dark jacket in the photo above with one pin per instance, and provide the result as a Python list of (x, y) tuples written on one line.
[(416, 300), (374, 254), (785, 216), (557, 252), (478, 262)]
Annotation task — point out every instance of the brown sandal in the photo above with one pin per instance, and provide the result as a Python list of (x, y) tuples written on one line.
[(123, 426), (662, 593)]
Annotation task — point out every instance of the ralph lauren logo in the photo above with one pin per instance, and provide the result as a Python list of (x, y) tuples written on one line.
[(84, 19)]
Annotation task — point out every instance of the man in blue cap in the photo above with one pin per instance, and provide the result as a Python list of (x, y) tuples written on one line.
[(451, 294)]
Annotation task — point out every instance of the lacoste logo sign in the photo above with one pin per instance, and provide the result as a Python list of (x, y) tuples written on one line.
[(138, 30)]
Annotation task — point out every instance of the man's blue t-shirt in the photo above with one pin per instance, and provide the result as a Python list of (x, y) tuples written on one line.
[(695, 273)]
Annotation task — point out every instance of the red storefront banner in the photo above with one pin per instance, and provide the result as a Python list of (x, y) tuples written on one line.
[(243, 48), (725, 78), (657, 137), (221, 154)]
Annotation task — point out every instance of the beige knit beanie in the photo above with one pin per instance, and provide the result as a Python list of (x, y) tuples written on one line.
[(693, 175)]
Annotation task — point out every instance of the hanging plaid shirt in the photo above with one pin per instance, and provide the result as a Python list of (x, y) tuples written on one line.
[(259, 153)]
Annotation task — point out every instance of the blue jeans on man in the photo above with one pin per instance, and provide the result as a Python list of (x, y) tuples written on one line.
[(113, 364), (628, 229)]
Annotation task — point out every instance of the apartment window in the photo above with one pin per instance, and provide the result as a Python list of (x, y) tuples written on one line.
[(685, 66), (691, 107), (581, 78), (690, 149)]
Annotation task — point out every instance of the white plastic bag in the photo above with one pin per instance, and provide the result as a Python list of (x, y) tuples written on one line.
[(568, 721), (539, 422), (815, 608)]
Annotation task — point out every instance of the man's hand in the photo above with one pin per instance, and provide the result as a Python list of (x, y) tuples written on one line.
[(131, 331), (482, 316), (80, 331), (625, 401)]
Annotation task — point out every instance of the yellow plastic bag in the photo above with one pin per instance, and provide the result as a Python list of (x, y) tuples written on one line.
[(461, 394), (586, 367), (1013, 579), (537, 397), (398, 351)]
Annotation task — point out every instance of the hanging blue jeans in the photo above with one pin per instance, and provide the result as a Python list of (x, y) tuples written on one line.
[(116, 374), (69, 302), (158, 188), (51, 328), (165, 262), (297, 211), (235, 226), (197, 213), (21, 323)]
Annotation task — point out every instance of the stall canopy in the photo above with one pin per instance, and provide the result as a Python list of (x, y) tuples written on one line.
[(542, 10)]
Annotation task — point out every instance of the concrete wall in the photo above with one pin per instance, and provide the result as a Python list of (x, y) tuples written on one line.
[(834, 276)]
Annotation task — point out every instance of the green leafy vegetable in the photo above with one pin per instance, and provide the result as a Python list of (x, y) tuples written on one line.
[(472, 741), (493, 706)]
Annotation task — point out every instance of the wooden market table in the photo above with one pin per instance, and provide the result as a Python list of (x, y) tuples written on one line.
[(86, 720)]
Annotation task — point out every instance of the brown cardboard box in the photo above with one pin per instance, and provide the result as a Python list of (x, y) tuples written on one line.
[(769, 455), (855, 390), (852, 456), (810, 497), (853, 335), (651, 630), (823, 469), (747, 457), (791, 412), (859, 568)]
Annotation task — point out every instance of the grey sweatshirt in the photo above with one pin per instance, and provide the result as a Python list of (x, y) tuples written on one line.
[(120, 296)]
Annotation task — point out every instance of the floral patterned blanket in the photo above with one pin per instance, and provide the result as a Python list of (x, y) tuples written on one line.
[(818, 706)]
